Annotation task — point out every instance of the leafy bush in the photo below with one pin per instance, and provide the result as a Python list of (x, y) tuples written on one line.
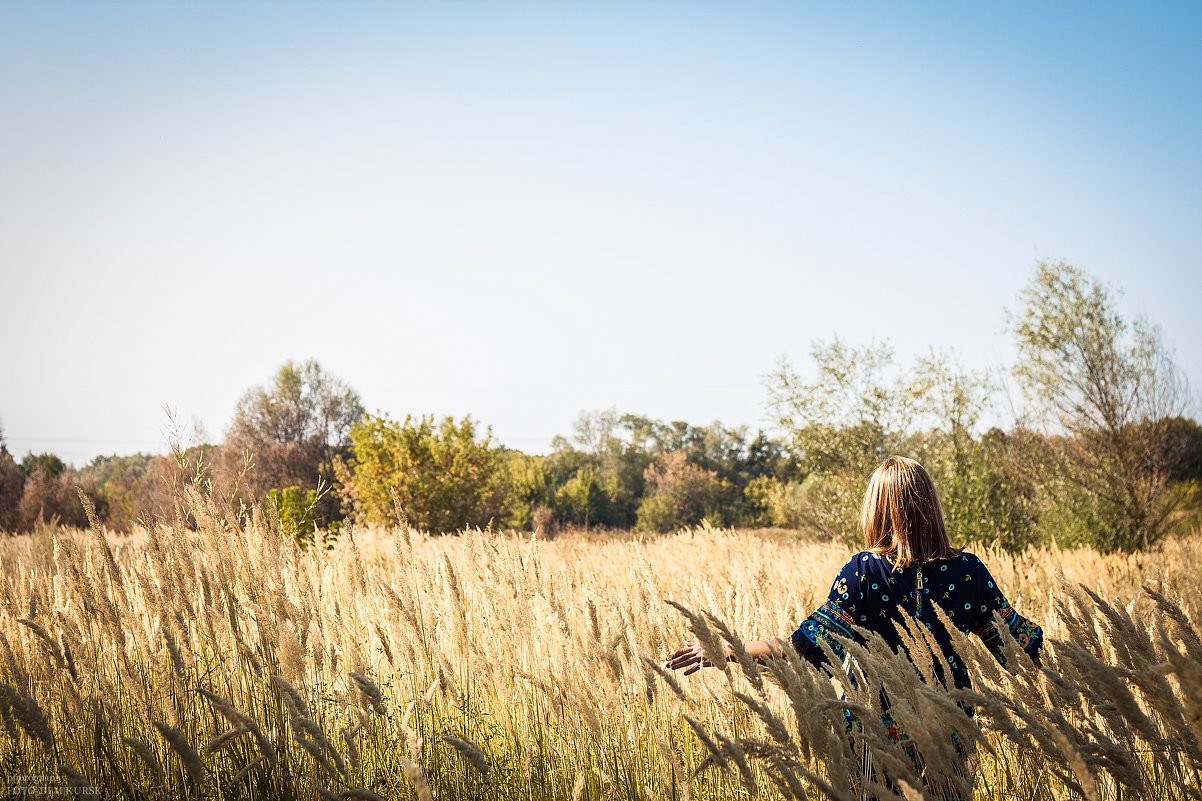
[(437, 475), (679, 494), (582, 499), (773, 502), (299, 516), (51, 498)]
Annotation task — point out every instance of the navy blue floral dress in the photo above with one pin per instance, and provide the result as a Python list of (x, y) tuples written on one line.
[(870, 593)]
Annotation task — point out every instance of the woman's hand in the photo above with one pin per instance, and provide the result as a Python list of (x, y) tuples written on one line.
[(692, 656)]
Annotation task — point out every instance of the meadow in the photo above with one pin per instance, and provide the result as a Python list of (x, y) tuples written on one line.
[(218, 659)]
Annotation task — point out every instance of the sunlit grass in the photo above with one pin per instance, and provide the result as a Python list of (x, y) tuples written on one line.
[(497, 666)]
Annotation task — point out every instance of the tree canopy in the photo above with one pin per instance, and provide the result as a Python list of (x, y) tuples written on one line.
[(1106, 389), (1103, 452)]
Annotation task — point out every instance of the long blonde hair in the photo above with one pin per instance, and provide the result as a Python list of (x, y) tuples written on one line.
[(901, 515)]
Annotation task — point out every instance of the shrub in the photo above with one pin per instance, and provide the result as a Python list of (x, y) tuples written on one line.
[(679, 494), (51, 498), (298, 512), (439, 474)]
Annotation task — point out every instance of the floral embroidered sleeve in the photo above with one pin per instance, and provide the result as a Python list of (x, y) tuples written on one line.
[(835, 618), (989, 599)]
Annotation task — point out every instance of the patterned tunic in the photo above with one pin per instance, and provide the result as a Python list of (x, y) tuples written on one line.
[(870, 593)]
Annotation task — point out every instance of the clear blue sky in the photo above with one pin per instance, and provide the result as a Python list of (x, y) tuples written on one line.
[(520, 211)]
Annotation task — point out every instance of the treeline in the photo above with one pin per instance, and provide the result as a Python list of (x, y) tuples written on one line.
[(613, 471), (1101, 451)]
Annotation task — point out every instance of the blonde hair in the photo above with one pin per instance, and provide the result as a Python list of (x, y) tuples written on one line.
[(901, 515)]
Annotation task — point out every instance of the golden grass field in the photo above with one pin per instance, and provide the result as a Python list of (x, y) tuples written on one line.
[(225, 662)]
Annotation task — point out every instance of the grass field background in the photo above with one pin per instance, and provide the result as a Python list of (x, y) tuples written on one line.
[(223, 661)]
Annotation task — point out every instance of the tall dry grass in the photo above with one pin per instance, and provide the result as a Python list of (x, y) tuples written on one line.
[(226, 662)]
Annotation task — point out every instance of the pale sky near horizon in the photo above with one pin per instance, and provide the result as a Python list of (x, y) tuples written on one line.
[(520, 211)]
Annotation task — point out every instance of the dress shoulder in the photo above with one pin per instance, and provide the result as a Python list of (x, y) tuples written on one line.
[(856, 561)]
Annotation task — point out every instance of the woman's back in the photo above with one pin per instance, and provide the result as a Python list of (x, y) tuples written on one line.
[(908, 568), (873, 593)]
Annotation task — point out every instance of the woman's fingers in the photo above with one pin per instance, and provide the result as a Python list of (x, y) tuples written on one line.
[(684, 661), (688, 647), (689, 655)]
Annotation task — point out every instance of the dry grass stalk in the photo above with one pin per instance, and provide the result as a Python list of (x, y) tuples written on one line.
[(145, 754), (7, 718), (470, 752), (177, 659), (183, 749), (47, 641), (242, 721), (295, 704), (245, 770), (370, 691), (360, 794), (26, 711), (313, 740), (224, 739), (415, 774), (354, 756), (78, 781)]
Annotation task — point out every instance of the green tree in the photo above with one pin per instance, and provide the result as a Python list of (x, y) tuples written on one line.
[(54, 498), (294, 428), (731, 453), (982, 488), (12, 487), (771, 501), (46, 463), (1183, 448), (439, 475), (860, 408), (611, 486), (679, 494), (582, 499), (126, 486), (529, 488), (304, 405), (618, 448), (1106, 388), (840, 426)]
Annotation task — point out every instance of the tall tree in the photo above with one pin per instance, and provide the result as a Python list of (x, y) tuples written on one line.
[(840, 426), (1107, 388), (858, 409), (295, 426)]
